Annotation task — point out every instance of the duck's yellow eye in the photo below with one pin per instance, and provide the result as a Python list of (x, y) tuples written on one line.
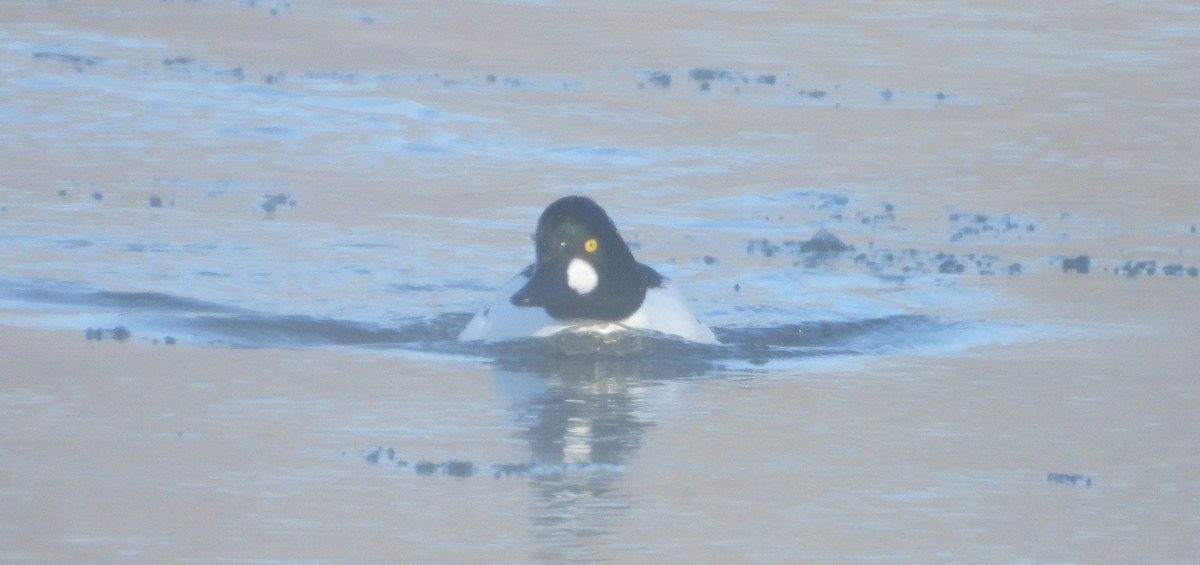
[(590, 245)]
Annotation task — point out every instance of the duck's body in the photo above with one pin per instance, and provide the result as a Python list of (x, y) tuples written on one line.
[(586, 280), (663, 310)]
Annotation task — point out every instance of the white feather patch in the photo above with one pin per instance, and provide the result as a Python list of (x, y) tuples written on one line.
[(581, 277)]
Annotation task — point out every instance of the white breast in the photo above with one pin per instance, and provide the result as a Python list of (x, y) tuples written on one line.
[(664, 310)]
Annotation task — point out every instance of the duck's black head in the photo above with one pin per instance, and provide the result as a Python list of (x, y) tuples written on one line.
[(584, 269)]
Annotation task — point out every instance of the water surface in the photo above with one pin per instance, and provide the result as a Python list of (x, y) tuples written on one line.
[(234, 260)]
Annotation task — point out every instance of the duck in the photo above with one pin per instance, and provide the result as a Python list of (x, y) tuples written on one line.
[(584, 280)]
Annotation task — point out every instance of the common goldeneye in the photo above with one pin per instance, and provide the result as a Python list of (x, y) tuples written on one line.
[(585, 279)]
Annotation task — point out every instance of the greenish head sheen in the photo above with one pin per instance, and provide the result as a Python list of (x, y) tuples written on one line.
[(575, 227), (567, 225)]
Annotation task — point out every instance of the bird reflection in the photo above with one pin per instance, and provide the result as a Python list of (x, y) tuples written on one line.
[(586, 416)]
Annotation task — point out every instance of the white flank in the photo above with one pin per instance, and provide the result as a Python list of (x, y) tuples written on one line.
[(581, 277), (502, 320), (664, 311)]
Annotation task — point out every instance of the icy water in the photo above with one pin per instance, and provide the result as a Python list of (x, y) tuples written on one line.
[(951, 253)]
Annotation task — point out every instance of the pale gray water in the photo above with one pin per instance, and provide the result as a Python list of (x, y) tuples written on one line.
[(311, 222)]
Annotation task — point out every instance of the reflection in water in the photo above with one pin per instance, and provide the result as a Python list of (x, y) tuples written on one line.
[(586, 417), (584, 401)]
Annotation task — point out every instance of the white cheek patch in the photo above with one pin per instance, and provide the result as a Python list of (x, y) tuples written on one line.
[(581, 277)]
